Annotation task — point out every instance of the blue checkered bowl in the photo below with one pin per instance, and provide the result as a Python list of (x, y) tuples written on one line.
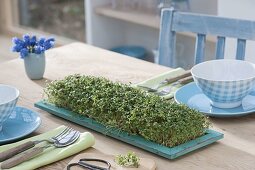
[(225, 82), (8, 98)]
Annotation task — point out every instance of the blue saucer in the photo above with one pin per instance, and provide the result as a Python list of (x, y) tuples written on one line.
[(20, 123), (193, 97)]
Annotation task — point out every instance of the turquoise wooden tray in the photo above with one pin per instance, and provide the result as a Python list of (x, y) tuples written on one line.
[(170, 153)]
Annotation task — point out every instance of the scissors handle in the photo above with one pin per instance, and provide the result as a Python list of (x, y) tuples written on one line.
[(82, 163)]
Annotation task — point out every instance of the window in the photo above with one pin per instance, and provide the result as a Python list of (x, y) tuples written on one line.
[(61, 17)]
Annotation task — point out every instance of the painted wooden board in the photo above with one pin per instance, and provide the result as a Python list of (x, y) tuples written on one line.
[(144, 163), (138, 141)]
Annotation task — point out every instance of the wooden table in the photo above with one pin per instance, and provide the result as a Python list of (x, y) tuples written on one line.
[(235, 152)]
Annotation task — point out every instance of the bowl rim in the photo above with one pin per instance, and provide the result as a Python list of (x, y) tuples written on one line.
[(17, 94), (200, 77)]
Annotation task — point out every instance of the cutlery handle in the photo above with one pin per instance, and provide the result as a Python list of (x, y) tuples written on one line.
[(16, 160), (149, 89), (16, 150), (186, 80), (171, 80)]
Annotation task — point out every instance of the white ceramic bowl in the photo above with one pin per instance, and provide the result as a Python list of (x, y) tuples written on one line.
[(8, 98), (225, 82)]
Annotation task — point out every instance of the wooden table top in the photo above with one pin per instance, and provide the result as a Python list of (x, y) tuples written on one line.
[(235, 152)]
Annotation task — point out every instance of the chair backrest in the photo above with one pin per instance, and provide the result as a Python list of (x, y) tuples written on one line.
[(175, 21)]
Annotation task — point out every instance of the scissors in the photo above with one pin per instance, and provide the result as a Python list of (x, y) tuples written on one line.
[(83, 163)]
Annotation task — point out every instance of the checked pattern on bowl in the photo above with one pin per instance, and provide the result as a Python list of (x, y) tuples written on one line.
[(225, 91), (6, 109)]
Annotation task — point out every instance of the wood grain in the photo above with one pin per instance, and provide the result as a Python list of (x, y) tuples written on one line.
[(220, 48), (235, 152), (213, 25), (16, 150), (200, 48), (240, 51), (167, 40), (22, 157)]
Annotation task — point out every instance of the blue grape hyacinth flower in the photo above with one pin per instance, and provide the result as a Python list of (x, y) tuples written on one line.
[(23, 52), (30, 44), (39, 49), (33, 41), (48, 43), (41, 41)]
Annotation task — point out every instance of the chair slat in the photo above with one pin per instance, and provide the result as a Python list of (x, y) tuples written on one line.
[(173, 22), (240, 52), (200, 48), (213, 25), (220, 48), (167, 40)]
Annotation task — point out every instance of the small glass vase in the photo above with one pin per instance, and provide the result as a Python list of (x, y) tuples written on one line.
[(35, 65)]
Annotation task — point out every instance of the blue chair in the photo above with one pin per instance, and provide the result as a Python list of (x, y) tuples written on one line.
[(173, 21), (174, 3), (133, 51)]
